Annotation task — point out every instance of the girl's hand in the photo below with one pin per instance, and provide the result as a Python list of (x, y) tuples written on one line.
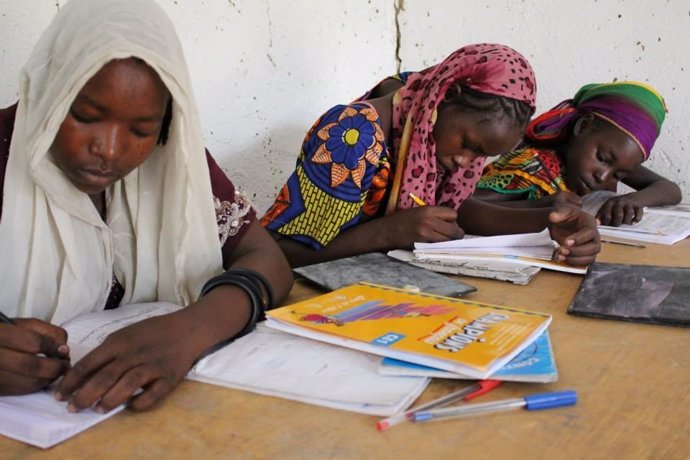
[(153, 355), (567, 199), (427, 224), (33, 353), (576, 232), (622, 209)]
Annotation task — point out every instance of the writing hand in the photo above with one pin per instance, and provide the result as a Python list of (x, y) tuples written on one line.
[(428, 224), (576, 232), (619, 210), (153, 355), (33, 353)]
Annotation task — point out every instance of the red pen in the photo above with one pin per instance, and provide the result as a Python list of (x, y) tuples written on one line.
[(467, 393)]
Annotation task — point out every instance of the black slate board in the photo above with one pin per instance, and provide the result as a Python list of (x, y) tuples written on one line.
[(639, 293), (378, 268)]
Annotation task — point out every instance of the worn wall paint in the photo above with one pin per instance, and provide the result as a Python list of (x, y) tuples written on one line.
[(263, 70), (573, 43)]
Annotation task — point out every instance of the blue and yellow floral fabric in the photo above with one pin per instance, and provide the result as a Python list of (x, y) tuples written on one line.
[(340, 179)]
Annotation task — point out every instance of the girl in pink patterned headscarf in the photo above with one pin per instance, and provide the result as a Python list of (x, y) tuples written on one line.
[(423, 135), (484, 69)]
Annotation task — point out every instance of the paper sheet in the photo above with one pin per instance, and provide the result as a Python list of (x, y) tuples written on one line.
[(542, 238), (278, 364), (38, 419), (655, 227), (265, 361)]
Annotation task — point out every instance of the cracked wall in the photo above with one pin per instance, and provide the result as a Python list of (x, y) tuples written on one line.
[(263, 70)]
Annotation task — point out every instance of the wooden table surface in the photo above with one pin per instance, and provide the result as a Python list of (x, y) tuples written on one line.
[(633, 382)]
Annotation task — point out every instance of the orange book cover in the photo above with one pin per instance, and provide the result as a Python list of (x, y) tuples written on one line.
[(453, 334)]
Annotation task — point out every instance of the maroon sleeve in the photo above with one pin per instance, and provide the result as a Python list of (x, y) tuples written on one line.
[(6, 128), (234, 213)]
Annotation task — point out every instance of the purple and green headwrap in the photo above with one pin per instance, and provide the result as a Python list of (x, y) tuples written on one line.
[(635, 108)]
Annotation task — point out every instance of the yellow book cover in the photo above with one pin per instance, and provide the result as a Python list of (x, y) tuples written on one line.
[(447, 333)]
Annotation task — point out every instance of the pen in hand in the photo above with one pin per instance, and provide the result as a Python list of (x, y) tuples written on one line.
[(62, 350)]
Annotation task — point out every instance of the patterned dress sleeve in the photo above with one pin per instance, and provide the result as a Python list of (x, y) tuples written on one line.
[(343, 158), (234, 213), (527, 173)]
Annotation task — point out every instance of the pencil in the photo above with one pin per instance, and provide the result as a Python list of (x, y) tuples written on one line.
[(5, 319), (623, 243), (416, 199)]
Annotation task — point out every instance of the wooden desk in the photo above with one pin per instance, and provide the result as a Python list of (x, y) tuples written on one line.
[(633, 381)]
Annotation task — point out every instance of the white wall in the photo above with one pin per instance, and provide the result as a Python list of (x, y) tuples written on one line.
[(263, 70)]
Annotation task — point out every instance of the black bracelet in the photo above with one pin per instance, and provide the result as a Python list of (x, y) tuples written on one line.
[(253, 292), (260, 281)]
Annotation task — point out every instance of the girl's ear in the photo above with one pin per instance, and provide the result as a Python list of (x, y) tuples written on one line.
[(584, 125), (452, 92)]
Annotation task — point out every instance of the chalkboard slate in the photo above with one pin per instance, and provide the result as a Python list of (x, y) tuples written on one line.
[(378, 268), (640, 293)]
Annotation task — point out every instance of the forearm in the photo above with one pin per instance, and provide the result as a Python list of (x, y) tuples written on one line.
[(658, 193), (525, 204), (360, 239), (512, 200), (481, 218), (225, 310), (216, 317), (259, 252)]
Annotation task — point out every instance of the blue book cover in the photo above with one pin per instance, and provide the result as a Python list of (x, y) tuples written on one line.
[(534, 364)]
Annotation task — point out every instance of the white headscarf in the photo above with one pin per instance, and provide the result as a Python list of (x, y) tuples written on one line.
[(57, 256)]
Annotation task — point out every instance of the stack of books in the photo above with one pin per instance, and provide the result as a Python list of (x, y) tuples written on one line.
[(515, 258), (502, 270), (468, 339)]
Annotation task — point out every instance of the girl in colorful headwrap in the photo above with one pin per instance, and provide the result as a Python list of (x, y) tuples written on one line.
[(423, 134), (585, 144)]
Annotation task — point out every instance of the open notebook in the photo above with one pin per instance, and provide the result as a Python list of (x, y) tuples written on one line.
[(530, 249), (38, 419), (266, 361), (661, 225)]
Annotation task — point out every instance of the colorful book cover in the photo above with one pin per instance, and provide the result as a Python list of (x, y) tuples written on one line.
[(534, 364), (456, 335)]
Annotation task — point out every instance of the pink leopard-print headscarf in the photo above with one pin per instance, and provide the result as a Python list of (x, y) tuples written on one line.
[(487, 68)]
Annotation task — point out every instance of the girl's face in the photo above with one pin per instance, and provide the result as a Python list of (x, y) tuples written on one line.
[(462, 136), (112, 126), (598, 155)]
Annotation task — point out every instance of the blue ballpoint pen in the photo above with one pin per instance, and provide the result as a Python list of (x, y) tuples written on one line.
[(536, 401)]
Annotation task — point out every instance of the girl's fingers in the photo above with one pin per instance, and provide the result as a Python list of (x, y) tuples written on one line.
[(82, 371), (13, 384)]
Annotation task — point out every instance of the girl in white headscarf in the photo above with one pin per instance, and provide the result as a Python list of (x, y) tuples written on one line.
[(109, 199)]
